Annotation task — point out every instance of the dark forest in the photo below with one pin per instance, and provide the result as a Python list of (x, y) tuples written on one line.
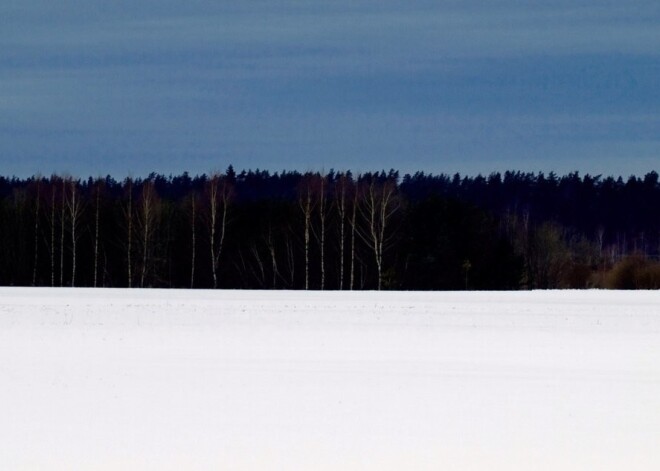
[(334, 231)]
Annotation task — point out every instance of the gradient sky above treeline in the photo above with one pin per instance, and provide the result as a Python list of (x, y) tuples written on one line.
[(92, 87)]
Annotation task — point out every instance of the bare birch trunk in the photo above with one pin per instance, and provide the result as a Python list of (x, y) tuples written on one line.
[(218, 188), (307, 224), (353, 229), (322, 215), (105, 267), (96, 235), (129, 215), (305, 202), (144, 255), (213, 195), (194, 244), (52, 234), (223, 225), (261, 276), (370, 206), (340, 192), (74, 207), (146, 223), (378, 206), (273, 259), (62, 233), (146, 214), (74, 239), (290, 258), (307, 221), (36, 234)]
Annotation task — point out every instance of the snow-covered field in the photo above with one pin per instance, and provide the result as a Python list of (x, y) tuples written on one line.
[(182, 380)]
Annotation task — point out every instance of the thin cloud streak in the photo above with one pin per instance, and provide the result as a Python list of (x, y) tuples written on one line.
[(143, 86)]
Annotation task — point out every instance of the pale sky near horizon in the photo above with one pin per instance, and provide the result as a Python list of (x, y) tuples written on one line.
[(95, 87)]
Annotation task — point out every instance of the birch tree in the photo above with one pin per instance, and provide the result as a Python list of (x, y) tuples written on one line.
[(128, 216), (306, 203), (97, 210), (354, 211), (53, 191), (290, 256), (320, 187), (74, 208), (379, 202), (147, 221), (193, 225), (343, 188), (270, 245), (36, 229), (219, 192), (62, 224)]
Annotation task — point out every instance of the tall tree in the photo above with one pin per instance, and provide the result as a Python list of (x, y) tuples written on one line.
[(379, 203), (98, 186), (53, 183), (321, 189), (343, 187), (219, 193), (147, 221), (128, 216), (354, 211), (193, 224), (74, 207), (62, 228), (307, 204), (36, 229)]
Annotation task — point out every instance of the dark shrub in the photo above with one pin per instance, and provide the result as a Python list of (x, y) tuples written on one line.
[(634, 272)]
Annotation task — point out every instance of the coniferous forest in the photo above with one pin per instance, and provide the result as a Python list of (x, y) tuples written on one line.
[(334, 231)]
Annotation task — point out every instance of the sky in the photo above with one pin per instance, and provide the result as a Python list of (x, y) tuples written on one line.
[(96, 87)]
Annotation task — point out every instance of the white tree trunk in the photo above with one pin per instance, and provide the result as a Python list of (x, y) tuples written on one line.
[(129, 216), (378, 206), (148, 212), (340, 195), (219, 191), (306, 206), (62, 232), (96, 235), (36, 233), (74, 208), (213, 195), (353, 232), (52, 234), (322, 218), (194, 243)]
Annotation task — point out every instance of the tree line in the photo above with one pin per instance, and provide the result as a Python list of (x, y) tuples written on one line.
[(334, 230)]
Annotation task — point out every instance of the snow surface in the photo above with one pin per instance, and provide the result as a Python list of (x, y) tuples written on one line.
[(236, 380)]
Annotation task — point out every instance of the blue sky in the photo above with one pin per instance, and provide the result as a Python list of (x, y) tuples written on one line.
[(93, 87)]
